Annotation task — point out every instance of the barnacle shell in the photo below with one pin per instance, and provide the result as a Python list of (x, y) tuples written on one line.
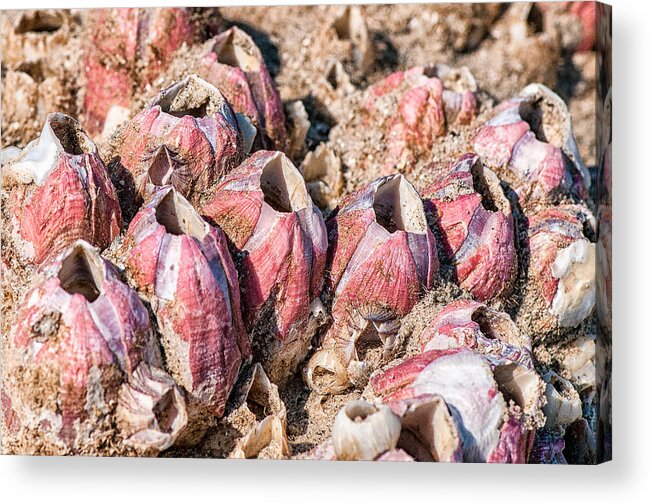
[(199, 131), (267, 438), (351, 25), (298, 125), (476, 224), (362, 431), (332, 88), (429, 432), (266, 211), (381, 253), (469, 324), (529, 142), (563, 403), (37, 34), (234, 64), (476, 389), (579, 362), (416, 107), (151, 410), (126, 49), (61, 192), (181, 264), (79, 334), (321, 170), (561, 287)]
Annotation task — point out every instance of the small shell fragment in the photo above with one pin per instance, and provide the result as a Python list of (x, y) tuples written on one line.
[(362, 431)]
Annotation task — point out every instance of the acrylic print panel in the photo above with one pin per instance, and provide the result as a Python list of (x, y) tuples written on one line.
[(373, 232)]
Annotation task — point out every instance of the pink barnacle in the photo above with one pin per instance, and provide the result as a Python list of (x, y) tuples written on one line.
[(381, 254), (188, 136), (465, 323), (562, 287), (84, 336), (266, 211), (61, 192), (235, 65), (125, 50), (475, 222), (477, 390), (529, 142), (181, 264), (418, 106)]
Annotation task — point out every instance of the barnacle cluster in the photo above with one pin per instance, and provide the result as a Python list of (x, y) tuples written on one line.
[(369, 259)]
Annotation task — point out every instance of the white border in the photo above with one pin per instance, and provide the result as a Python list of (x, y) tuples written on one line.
[(627, 479)]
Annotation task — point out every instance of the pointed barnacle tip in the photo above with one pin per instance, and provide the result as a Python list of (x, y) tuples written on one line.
[(161, 165), (398, 206), (488, 185), (61, 134), (283, 185), (178, 216), (238, 50), (81, 271), (191, 96)]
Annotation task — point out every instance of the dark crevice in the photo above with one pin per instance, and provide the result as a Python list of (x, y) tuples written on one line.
[(165, 412), (80, 274), (69, 136), (178, 217)]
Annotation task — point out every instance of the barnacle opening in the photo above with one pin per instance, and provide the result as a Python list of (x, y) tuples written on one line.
[(179, 217), (519, 384), (428, 432), (166, 411), (358, 411), (498, 326), (398, 207), (39, 21), (368, 346), (237, 50), (70, 135), (283, 186), (161, 166), (546, 116), (487, 185), (82, 273), (192, 96)]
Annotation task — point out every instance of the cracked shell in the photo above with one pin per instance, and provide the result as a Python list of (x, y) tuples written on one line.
[(381, 254), (80, 334), (181, 264), (280, 240), (60, 192), (429, 432), (561, 287), (529, 142), (188, 136), (266, 437), (474, 219), (494, 402)]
